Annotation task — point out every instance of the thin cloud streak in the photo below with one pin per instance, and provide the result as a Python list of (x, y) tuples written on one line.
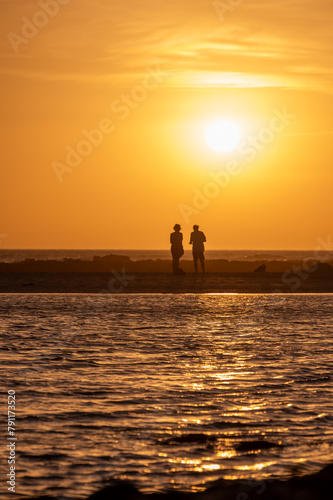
[(283, 40)]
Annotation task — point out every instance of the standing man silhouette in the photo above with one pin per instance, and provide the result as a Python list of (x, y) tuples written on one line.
[(197, 240), (177, 250)]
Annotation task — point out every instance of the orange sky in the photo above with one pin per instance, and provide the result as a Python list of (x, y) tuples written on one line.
[(152, 76)]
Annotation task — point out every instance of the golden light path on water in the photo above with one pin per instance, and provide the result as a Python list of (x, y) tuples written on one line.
[(169, 390)]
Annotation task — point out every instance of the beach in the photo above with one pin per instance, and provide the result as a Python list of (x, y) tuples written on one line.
[(120, 274), (160, 283)]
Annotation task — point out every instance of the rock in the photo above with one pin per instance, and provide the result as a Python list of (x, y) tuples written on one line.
[(261, 269)]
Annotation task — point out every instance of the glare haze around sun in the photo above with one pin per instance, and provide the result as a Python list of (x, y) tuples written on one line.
[(223, 136)]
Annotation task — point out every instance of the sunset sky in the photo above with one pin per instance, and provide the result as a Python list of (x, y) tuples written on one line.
[(152, 76)]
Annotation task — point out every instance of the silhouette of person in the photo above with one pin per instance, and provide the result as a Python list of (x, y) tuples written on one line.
[(177, 250), (197, 240)]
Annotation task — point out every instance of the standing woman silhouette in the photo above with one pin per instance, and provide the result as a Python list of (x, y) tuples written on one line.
[(177, 250)]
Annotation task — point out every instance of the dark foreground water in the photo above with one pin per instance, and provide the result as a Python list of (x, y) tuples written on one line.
[(169, 391)]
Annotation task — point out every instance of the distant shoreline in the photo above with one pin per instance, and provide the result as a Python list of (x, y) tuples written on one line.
[(110, 262), (17, 255), (120, 274)]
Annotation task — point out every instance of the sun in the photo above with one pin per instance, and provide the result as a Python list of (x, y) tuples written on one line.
[(223, 136)]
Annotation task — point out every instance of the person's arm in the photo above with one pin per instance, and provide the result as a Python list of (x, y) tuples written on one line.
[(171, 238), (191, 241), (204, 237)]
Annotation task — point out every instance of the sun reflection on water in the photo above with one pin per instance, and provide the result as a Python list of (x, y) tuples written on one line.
[(254, 467)]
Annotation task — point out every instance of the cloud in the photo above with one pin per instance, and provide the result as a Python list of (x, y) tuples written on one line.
[(280, 43)]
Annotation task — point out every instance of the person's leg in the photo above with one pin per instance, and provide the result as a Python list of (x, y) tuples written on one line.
[(195, 261), (175, 264), (202, 262)]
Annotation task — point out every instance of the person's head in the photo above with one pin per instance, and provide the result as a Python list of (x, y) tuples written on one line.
[(195, 227), (177, 227)]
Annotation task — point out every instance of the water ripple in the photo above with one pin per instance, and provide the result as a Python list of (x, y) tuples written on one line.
[(167, 391)]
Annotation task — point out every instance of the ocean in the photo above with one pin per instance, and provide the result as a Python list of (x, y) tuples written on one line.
[(167, 391), (267, 255)]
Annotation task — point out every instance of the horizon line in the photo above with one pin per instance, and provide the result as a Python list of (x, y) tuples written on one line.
[(166, 249)]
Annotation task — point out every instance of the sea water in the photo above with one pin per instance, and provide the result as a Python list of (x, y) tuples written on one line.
[(167, 391)]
